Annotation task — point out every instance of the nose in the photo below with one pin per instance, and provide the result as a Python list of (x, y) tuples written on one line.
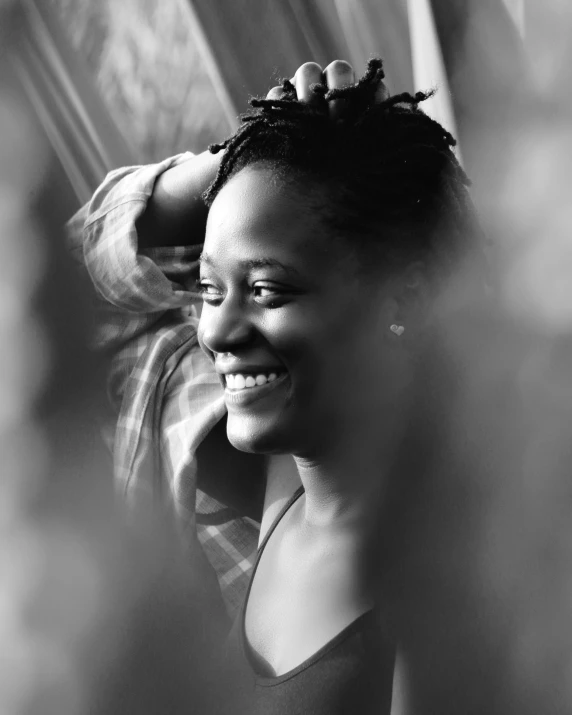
[(224, 328)]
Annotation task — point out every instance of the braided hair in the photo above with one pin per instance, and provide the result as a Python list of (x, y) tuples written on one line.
[(385, 176)]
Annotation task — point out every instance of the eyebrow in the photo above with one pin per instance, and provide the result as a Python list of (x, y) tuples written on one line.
[(255, 263)]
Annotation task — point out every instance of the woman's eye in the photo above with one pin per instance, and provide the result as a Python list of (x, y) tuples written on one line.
[(272, 296), (268, 295), (209, 291), (265, 292)]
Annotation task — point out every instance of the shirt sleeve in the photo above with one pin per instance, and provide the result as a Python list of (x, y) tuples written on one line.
[(135, 292), (163, 390), (133, 287)]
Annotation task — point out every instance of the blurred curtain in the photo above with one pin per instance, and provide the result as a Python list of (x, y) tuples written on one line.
[(61, 90), (378, 27), (428, 66), (257, 42), (485, 62), (470, 47)]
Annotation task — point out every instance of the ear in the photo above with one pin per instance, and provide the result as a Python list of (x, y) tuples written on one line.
[(410, 301)]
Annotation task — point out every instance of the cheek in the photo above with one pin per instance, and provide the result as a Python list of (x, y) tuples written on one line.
[(320, 349), (295, 334), (347, 362)]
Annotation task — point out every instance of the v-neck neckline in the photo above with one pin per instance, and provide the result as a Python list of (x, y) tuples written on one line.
[(248, 651)]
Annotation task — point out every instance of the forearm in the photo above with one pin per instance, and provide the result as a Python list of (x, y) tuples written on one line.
[(176, 213), (133, 286)]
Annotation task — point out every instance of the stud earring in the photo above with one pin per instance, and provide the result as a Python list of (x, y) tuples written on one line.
[(397, 329)]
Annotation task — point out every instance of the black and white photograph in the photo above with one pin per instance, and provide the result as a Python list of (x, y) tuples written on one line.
[(286, 357)]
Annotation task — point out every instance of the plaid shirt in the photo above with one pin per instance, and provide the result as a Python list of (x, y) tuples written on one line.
[(162, 387)]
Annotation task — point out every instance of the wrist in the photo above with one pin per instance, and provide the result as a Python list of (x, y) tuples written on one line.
[(176, 213), (186, 181)]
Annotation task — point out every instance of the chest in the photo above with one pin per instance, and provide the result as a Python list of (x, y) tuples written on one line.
[(301, 597)]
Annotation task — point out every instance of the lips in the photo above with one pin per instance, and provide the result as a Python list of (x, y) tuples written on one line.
[(248, 394)]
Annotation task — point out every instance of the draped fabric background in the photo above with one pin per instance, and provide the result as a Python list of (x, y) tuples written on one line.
[(90, 612), (76, 120), (118, 83)]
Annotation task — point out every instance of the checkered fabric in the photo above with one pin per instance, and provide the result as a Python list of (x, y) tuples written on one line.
[(162, 387)]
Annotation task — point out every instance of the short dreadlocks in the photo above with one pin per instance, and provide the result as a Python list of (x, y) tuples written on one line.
[(384, 176)]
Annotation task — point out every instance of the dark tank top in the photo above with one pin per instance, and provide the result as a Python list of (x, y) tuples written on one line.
[(352, 673)]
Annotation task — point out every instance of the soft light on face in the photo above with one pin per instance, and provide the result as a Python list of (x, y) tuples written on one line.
[(286, 319)]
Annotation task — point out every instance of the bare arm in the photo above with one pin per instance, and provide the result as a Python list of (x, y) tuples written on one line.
[(176, 213)]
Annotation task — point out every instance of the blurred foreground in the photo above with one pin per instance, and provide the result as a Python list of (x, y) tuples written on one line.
[(477, 543)]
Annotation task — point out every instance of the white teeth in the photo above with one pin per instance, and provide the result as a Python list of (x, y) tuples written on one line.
[(241, 382)]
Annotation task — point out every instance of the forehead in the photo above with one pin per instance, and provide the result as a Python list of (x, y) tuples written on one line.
[(256, 212)]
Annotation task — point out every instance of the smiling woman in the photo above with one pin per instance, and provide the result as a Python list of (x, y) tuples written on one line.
[(328, 236), (330, 222)]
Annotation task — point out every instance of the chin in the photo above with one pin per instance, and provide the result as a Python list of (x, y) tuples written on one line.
[(258, 439)]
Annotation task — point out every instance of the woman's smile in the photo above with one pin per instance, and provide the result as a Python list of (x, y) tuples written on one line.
[(245, 389)]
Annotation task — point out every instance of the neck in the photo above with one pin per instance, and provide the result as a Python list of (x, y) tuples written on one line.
[(344, 490)]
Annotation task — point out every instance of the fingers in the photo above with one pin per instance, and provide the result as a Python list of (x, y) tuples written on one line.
[(275, 93), (308, 74), (339, 74)]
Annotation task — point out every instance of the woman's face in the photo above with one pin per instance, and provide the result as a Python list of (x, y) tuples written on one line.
[(294, 332)]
